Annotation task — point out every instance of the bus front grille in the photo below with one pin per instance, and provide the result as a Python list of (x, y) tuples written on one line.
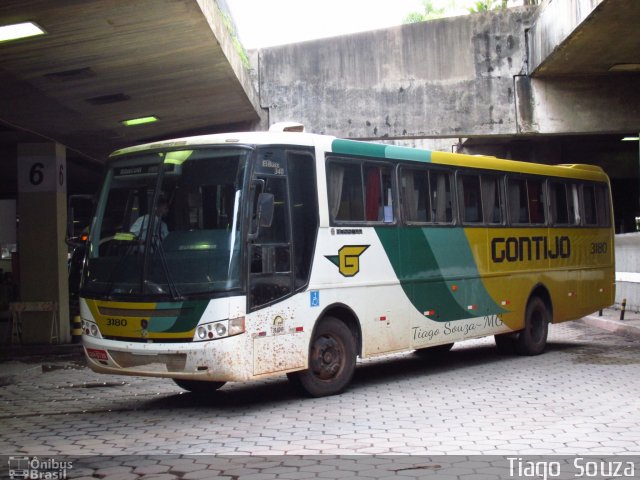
[(164, 362)]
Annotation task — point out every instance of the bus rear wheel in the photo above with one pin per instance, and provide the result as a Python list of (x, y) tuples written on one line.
[(332, 360), (532, 340), (198, 386)]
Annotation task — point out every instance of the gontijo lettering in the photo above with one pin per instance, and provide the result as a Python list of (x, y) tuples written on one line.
[(525, 249)]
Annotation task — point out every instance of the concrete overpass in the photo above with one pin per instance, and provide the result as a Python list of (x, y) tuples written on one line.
[(565, 67), (551, 83)]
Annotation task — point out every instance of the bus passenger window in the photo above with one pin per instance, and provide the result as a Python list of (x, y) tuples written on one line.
[(360, 192), (589, 201), (535, 194), (379, 200), (559, 203), (518, 205), (441, 198), (491, 199), (469, 192), (602, 205), (345, 191), (415, 195)]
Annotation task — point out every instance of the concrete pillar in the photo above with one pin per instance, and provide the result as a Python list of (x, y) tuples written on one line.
[(42, 212)]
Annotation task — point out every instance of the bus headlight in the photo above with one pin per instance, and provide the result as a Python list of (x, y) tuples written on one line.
[(219, 329), (90, 329), (202, 333)]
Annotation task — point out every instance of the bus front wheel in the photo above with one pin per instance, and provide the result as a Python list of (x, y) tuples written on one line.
[(332, 360), (198, 386)]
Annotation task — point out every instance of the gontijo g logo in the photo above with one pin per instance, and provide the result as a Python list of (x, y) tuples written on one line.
[(348, 259)]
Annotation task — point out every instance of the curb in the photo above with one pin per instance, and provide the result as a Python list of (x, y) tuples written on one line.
[(614, 326)]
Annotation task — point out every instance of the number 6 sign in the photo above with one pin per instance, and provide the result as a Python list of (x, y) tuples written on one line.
[(41, 171)]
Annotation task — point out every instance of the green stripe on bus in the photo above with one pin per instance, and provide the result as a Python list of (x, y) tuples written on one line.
[(351, 147), (190, 314), (423, 258), (378, 150), (405, 153)]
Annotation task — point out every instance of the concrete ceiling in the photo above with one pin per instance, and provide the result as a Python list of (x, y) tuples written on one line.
[(606, 41), (103, 61)]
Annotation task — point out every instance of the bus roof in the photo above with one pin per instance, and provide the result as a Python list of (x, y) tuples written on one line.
[(375, 150)]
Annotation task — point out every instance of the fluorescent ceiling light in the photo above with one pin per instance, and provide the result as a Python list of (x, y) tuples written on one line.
[(631, 139), (19, 30), (139, 121)]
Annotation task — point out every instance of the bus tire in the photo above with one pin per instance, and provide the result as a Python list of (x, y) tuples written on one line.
[(430, 353), (332, 360), (198, 386), (506, 343), (532, 339)]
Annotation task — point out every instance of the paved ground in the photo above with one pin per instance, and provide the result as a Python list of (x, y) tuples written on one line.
[(579, 398)]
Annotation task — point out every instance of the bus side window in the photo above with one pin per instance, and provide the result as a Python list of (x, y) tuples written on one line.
[(469, 192), (360, 192), (441, 197), (535, 197), (589, 202), (415, 194), (345, 191), (518, 205), (559, 203), (602, 205), (491, 199), (378, 196)]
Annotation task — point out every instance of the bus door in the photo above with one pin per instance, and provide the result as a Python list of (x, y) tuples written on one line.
[(281, 253), (270, 272), (282, 228)]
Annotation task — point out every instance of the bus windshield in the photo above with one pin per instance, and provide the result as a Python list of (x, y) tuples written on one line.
[(168, 225)]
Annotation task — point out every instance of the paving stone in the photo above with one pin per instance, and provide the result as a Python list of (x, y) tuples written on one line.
[(474, 402)]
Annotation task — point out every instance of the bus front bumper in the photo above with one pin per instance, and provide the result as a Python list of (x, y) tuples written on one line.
[(222, 360)]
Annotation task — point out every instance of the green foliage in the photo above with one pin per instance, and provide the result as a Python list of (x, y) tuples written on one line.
[(486, 5), (430, 12), (226, 20)]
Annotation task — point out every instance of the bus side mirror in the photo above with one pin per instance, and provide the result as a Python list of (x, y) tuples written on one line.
[(265, 209), (263, 215)]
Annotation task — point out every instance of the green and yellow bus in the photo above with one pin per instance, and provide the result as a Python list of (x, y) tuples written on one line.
[(291, 253)]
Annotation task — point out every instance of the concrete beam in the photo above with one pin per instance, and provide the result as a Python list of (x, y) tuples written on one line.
[(557, 20), (443, 78), (584, 37), (449, 78), (578, 105)]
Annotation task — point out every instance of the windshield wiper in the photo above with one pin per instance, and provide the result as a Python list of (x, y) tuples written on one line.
[(173, 290), (123, 237)]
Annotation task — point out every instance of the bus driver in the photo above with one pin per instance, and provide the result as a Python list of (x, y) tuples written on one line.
[(140, 226)]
